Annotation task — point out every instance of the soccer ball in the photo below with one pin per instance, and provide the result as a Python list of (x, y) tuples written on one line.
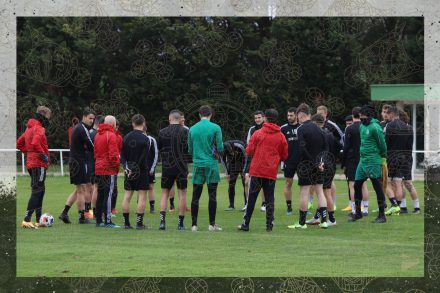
[(46, 220)]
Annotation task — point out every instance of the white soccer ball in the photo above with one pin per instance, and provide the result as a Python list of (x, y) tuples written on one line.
[(46, 220)]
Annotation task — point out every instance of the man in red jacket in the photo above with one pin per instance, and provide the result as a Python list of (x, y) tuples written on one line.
[(33, 143), (106, 169), (267, 147)]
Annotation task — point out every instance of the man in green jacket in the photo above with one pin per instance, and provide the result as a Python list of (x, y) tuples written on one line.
[(205, 144), (373, 153)]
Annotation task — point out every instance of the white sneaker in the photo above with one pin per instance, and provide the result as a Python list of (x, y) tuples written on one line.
[(244, 208), (263, 208), (214, 228), (313, 221), (194, 228), (330, 223)]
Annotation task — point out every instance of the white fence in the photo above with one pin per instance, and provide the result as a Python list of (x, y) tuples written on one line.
[(61, 161)]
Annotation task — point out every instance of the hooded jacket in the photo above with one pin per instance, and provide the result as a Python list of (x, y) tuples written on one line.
[(106, 151), (33, 143), (373, 146), (268, 147)]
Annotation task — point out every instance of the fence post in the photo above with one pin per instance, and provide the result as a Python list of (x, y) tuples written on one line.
[(62, 163), (22, 164)]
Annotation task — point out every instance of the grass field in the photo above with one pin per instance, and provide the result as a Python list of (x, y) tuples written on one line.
[(350, 249)]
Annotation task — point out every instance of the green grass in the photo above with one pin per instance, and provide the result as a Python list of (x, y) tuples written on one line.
[(350, 249)]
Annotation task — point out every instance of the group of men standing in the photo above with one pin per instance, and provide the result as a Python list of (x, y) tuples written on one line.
[(307, 145)]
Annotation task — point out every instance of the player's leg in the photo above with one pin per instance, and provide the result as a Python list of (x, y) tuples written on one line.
[(88, 201), (360, 177), (94, 196), (288, 175), (81, 191), (377, 185), (351, 190), (263, 202), (254, 184), (333, 193), (108, 202), (415, 199), (365, 198), (126, 208), (167, 185), (35, 174), (269, 189), (103, 189), (142, 202), (231, 191), (182, 183), (64, 216), (246, 190), (212, 203), (42, 191), (114, 196), (151, 192), (322, 204), (199, 178), (310, 198), (330, 207), (304, 193)]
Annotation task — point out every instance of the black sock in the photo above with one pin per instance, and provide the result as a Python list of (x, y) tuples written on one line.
[(398, 202), (81, 215), (289, 205), (38, 214), (126, 219), (152, 204), (66, 209), (317, 214), (139, 219), (88, 206), (172, 202), (393, 201), (302, 217), (162, 216), (323, 215), (181, 220), (331, 216)]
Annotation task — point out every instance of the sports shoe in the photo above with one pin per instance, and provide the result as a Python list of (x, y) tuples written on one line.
[(416, 211), (180, 227), (65, 218), (313, 221), (162, 226), (28, 225), (323, 225), (355, 217), (395, 210), (112, 225), (89, 216), (297, 226), (310, 206), (403, 210), (128, 227), (365, 214), (331, 224), (194, 228), (244, 208), (243, 227), (379, 220), (229, 209), (269, 228), (172, 209), (100, 225), (289, 213), (263, 208), (85, 221), (214, 227), (114, 211), (141, 227), (347, 209)]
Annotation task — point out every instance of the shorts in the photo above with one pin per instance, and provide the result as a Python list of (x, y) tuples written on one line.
[(329, 175), (365, 171), (289, 172), (137, 181), (152, 178), (206, 174), (309, 174), (350, 171), (79, 172), (168, 180), (400, 171)]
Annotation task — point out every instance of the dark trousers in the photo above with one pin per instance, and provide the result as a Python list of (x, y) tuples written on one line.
[(38, 177), (106, 184), (212, 204), (377, 185), (115, 192), (255, 185), (231, 190)]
